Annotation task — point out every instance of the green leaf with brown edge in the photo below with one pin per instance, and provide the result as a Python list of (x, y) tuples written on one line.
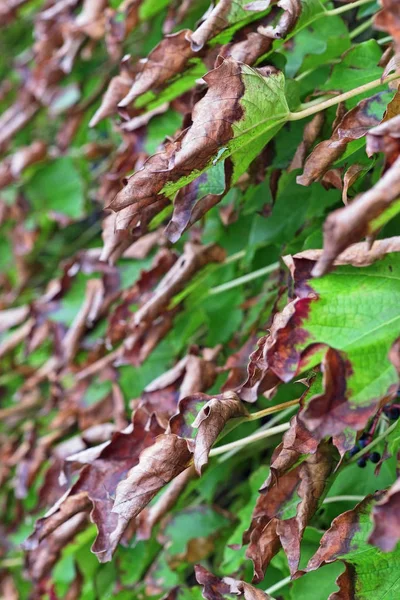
[(249, 107), (343, 321), (370, 573)]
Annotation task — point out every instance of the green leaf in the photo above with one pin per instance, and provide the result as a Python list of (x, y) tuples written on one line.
[(57, 186)]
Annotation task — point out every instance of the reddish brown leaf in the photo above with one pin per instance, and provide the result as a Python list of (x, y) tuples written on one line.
[(388, 20), (386, 518), (347, 225), (211, 420), (215, 588), (158, 465), (105, 467), (354, 125), (167, 59), (293, 475)]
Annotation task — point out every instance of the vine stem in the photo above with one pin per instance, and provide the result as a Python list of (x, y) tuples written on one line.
[(302, 114), (374, 443), (243, 279), (272, 409), (361, 28), (346, 7), (350, 498), (250, 439), (278, 585)]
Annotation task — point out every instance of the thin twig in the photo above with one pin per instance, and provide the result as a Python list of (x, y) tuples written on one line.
[(333, 499), (312, 110), (272, 409), (250, 439)]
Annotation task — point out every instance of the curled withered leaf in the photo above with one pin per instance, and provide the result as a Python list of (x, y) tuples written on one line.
[(158, 465), (211, 420), (237, 365), (311, 132), (292, 12), (153, 515), (17, 116), (385, 138), (153, 319), (12, 167), (386, 518), (13, 316), (363, 217), (191, 374), (388, 19), (194, 258), (353, 173), (296, 479), (167, 59), (224, 14), (353, 125), (215, 588), (40, 561), (138, 294), (119, 23), (87, 315), (357, 255), (204, 190), (117, 89), (176, 13), (95, 488)]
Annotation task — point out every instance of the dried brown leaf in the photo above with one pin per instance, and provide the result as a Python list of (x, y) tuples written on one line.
[(211, 420), (215, 588), (347, 225), (353, 125), (386, 518), (293, 476)]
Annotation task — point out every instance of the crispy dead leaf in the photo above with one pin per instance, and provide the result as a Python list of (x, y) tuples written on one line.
[(105, 467), (311, 133), (153, 515), (13, 316), (16, 117), (388, 19), (211, 420), (357, 255), (354, 125), (292, 12), (86, 317), (385, 138), (295, 478), (190, 375), (353, 173), (40, 561), (385, 515), (117, 89), (12, 167), (158, 465), (167, 59), (119, 23), (359, 219), (215, 588)]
